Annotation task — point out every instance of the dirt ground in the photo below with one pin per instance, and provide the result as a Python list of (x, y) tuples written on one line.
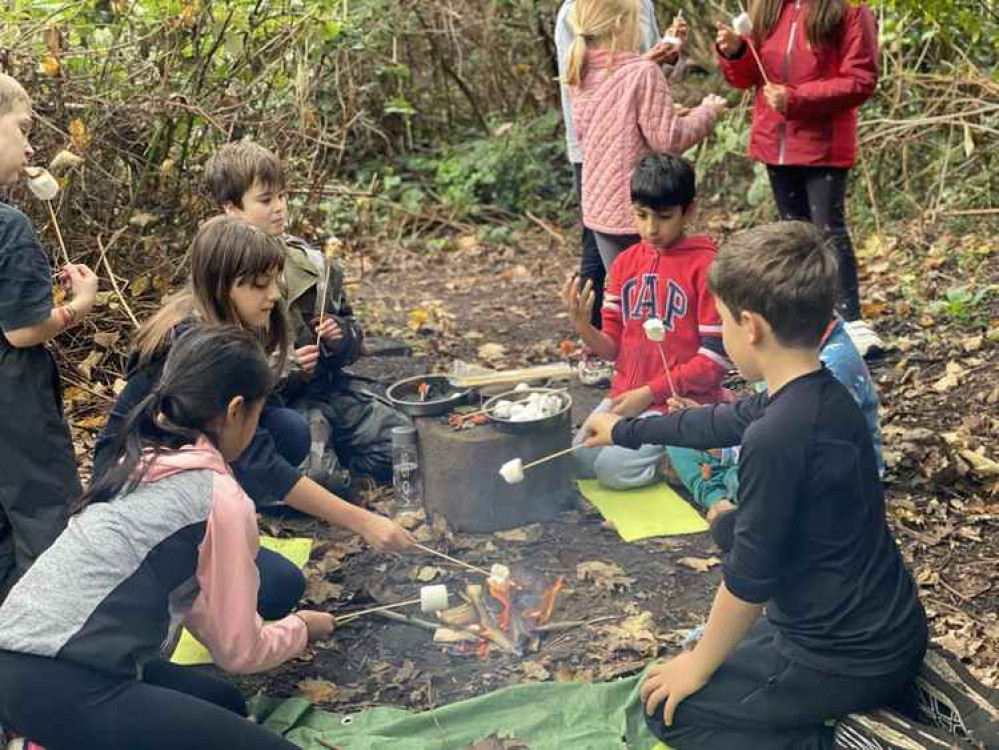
[(498, 306)]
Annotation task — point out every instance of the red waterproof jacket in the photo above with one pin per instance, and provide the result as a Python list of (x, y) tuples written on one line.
[(825, 87)]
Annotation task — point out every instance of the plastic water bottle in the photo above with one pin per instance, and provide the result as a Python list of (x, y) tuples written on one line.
[(406, 468)]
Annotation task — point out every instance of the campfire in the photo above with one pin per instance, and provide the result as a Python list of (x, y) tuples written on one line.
[(507, 614)]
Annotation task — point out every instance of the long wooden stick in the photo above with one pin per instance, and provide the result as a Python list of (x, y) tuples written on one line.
[(759, 62), (350, 616), (114, 283), (450, 559), (513, 376), (552, 457), (669, 378), (55, 225)]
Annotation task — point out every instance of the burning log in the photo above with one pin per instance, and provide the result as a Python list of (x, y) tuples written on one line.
[(487, 625)]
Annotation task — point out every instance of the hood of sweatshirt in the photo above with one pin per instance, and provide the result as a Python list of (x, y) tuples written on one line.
[(201, 455)]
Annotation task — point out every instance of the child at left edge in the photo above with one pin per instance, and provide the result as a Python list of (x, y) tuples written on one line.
[(38, 474), (664, 276)]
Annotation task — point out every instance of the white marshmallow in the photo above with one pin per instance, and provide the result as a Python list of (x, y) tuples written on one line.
[(499, 574), (512, 471), (671, 39), (433, 598), (502, 409), (43, 184), (522, 387), (742, 24), (654, 329)]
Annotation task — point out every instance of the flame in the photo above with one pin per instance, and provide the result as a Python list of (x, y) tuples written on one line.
[(548, 601), (501, 593)]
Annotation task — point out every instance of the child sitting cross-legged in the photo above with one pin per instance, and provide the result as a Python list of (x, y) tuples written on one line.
[(843, 631), (662, 278), (712, 477), (247, 180)]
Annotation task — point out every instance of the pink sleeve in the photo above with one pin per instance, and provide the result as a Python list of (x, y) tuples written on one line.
[(224, 616), (662, 127)]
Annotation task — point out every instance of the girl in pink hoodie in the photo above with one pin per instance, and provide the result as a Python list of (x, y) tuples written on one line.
[(622, 109), (165, 538)]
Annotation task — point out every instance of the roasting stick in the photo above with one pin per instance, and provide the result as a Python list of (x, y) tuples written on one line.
[(552, 456), (330, 252), (450, 559), (371, 610)]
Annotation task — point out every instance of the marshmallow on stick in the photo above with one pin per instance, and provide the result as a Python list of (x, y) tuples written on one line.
[(433, 598), (742, 25), (655, 331), (512, 471), (45, 187)]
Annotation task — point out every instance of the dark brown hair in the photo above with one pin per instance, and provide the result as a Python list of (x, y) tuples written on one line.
[(227, 251), (206, 369), (231, 171), (785, 272), (822, 19)]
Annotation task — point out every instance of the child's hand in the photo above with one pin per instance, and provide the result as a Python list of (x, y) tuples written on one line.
[(633, 403), (679, 403), (715, 102), (679, 27), (672, 682), (579, 303), (80, 283), (308, 358), (319, 624), (329, 330), (663, 54), (776, 96), (385, 535), (729, 43), (598, 428)]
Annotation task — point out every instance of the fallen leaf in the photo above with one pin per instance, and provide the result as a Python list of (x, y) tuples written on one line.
[(321, 691), (604, 575), (320, 591), (492, 351), (79, 136), (529, 533), (411, 519), (428, 573), (951, 379), (50, 66), (972, 344), (699, 564), (106, 339), (632, 634), (417, 319), (536, 672)]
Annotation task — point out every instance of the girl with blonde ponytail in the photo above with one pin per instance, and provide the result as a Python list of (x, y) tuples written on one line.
[(622, 110)]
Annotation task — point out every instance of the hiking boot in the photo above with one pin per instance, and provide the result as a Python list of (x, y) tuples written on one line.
[(949, 697), (883, 729), (868, 343)]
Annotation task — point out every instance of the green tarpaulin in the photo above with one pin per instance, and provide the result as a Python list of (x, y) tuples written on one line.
[(544, 716)]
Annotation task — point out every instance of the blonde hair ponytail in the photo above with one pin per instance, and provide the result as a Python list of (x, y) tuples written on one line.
[(612, 24)]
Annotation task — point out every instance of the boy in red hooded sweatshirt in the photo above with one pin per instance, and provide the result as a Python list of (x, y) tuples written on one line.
[(663, 277)]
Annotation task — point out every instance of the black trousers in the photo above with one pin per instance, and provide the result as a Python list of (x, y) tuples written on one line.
[(591, 267), (818, 195), (762, 700), (38, 475), (65, 706)]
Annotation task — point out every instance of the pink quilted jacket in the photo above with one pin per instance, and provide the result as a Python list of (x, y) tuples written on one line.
[(622, 111)]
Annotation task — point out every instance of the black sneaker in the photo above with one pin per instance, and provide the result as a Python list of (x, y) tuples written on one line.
[(950, 698), (886, 730)]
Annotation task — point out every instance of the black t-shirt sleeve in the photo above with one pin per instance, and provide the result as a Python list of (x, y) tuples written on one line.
[(771, 471), (25, 275), (717, 426)]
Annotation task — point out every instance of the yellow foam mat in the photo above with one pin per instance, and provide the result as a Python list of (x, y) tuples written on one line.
[(656, 510), (190, 651)]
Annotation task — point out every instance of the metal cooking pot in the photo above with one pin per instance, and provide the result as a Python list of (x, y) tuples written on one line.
[(405, 396), (524, 428)]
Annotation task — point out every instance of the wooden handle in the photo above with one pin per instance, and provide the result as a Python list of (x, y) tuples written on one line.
[(456, 561), (759, 62), (553, 456)]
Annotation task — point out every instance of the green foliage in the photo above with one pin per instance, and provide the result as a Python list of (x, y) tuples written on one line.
[(962, 303)]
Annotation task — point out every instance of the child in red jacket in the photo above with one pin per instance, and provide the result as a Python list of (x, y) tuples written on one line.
[(662, 277), (821, 63)]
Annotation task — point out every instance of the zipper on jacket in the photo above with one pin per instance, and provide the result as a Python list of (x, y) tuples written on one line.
[(782, 129)]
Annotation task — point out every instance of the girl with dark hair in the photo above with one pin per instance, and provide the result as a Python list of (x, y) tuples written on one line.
[(820, 59), (234, 281), (164, 537)]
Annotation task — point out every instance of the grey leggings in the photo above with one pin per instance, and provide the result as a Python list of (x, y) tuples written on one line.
[(612, 245)]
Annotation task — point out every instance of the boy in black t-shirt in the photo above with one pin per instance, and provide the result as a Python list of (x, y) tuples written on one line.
[(843, 630)]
